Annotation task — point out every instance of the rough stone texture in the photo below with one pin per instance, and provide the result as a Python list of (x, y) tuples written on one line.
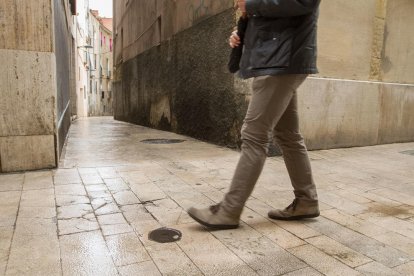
[(398, 53), (35, 49), (156, 21), (25, 26), (397, 117), (183, 85), (337, 113), (27, 153), (344, 44), (27, 93)]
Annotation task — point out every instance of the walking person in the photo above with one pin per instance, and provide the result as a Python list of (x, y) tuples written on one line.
[(279, 53)]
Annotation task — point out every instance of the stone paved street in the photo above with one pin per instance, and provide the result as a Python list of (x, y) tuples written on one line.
[(92, 216)]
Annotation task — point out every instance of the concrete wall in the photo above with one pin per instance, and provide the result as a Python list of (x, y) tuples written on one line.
[(171, 72), (30, 90)]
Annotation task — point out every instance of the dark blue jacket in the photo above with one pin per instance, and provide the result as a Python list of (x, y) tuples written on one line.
[(280, 38)]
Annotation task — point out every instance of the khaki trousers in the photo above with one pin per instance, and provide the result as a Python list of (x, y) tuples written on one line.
[(273, 108)]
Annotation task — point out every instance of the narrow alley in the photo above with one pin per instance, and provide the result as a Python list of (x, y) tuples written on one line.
[(92, 216)]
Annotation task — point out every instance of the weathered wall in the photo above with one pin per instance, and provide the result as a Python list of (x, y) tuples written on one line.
[(344, 113), (398, 51), (32, 95), (183, 85), (26, 25), (362, 95)]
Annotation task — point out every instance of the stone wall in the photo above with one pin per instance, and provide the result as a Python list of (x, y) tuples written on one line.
[(174, 77), (30, 91)]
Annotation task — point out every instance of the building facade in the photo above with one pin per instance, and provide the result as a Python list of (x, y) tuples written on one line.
[(100, 92), (38, 82), (171, 72)]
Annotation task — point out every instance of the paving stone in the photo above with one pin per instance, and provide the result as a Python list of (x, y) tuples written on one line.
[(66, 176), (362, 226), (106, 209), (116, 185), (404, 198), (258, 251), (126, 249), (266, 227), (77, 225), (111, 219), (96, 188), (70, 189), (406, 269), (114, 229), (99, 194), (8, 214), (86, 254), (63, 200), (91, 179), (38, 198), (391, 223), (208, 254), (321, 261), (6, 234), (36, 227), (38, 180), (171, 260), (74, 211), (369, 247), (10, 198), (107, 172), (339, 251), (144, 268), (34, 256), (125, 198), (397, 241), (100, 202), (345, 205), (352, 196), (11, 182), (37, 212), (377, 269), (147, 191), (304, 271), (366, 209)]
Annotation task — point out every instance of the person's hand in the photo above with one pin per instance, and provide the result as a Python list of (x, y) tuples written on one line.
[(234, 40), (241, 5)]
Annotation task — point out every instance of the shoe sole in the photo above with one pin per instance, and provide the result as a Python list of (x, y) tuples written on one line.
[(214, 226), (294, 217)]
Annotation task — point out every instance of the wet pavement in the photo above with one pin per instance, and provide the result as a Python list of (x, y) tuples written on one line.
[(93, 215)]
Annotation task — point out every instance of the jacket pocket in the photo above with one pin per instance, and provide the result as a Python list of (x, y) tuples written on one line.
[(272, 49)]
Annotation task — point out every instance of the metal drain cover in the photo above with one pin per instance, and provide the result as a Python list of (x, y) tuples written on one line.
[(162, 141), (409, 152), (164, 235)]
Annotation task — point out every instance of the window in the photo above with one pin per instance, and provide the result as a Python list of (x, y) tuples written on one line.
[(110, 44), (84, 92), (103, 95)]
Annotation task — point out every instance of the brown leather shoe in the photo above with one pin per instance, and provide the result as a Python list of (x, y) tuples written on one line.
[(299, 209), (214, 217)]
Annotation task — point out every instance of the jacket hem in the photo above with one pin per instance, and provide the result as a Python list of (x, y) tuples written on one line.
[(273, 72)]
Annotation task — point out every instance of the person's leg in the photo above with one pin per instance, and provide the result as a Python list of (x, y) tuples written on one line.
[(288, 137), (271, 96)]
